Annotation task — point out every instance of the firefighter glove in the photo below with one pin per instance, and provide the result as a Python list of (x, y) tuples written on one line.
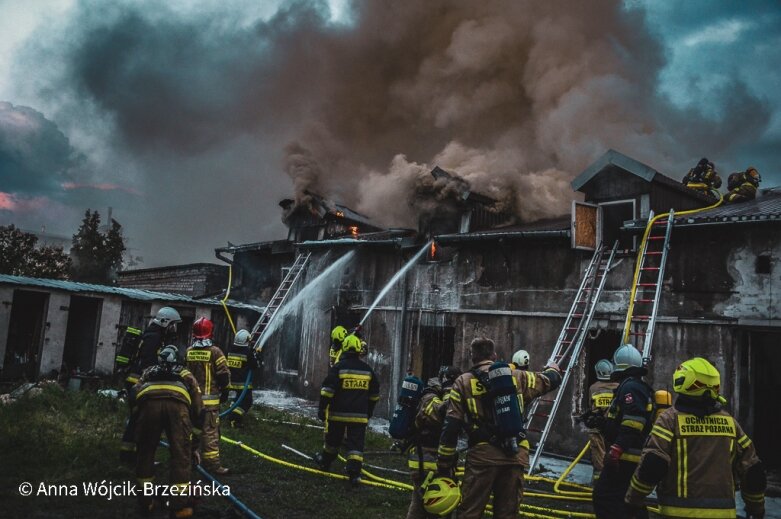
[(613, 455)]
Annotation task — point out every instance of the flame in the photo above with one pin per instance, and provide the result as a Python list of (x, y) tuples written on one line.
[(340, 214), (433, 249), (354, 230)]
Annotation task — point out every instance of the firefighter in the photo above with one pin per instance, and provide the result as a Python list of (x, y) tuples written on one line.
[(493, 464), (167, 399), (600, 395), (335, 350), (627, 424), (697, 453), (703, 177), (428, 427), (743, 186), (210, 368), (347, 399), (137, 352), (520, 360), (664, 400), (241, 362)]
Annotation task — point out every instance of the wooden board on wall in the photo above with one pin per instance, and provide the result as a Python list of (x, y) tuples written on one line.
[(584, 223)]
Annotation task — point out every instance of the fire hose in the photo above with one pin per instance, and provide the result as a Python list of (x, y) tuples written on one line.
[(377, 481)]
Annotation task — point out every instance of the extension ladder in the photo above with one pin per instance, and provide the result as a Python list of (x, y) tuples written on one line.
[(278, 299), (570, 342), (647, 285)]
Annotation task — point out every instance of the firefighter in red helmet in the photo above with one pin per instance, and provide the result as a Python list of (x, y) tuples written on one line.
[(210, 368)]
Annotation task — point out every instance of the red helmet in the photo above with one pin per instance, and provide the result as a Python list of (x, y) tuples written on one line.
[(202, 328)]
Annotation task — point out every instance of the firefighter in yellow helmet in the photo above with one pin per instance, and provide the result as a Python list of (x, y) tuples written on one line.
[(347, 399), (600, 395), (664, 400), (166, 399), (493, 463), (697, 453), (335, 350)]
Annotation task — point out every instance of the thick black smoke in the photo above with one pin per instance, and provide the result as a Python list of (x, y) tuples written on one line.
[(210, 109)]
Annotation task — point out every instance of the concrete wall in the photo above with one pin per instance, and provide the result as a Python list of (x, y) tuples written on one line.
[(54, 334), (107, 335)]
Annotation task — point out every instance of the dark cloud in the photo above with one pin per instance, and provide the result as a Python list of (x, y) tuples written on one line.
[(216, 115), (35, 155)]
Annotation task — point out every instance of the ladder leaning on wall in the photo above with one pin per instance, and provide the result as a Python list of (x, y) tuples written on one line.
[(570, 343), (278, 299)]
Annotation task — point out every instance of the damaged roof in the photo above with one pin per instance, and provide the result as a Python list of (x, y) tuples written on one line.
[(547, 228), (613, 159), (136, 294)]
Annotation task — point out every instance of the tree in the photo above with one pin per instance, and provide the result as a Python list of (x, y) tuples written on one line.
[(97, 256), (19, 256)]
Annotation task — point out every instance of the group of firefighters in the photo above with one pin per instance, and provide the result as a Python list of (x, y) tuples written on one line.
[(692, 451), (741, 185)]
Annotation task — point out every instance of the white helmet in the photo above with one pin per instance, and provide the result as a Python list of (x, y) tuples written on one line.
[(603, 368), (167, 316), (627, 357), (168, 354), (242, 338), (521, 359)]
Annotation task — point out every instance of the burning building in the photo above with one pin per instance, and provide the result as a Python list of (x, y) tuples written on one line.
[(516, 283)]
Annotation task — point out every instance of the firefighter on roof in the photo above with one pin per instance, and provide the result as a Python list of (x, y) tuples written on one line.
[(697, 452), (430, 416), (241, 362), (498, 449), (167, 399), (743, 186), (600, 395), (703, 177), (347, 399), (628, 422), (207, 363), (136, 353)]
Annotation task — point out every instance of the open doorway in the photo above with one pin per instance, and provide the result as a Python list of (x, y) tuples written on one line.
[(437, 344), (81, 335), (600, 344), (25, 335), (614, 214), (763, 385)]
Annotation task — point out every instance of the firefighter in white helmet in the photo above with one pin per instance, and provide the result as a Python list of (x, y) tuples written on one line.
[(520, 360), (241, 363), (600, 396)]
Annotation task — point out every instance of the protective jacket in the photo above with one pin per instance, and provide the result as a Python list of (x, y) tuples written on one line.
[(629, 417), (601, 395), (743, 193), (350, 391), (470, 408), (240, 362), (210, 368), (139, 351), (169, 382), (334, 353), (694, 457), (428, 428)]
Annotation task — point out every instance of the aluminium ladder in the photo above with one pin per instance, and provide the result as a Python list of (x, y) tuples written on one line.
[(647, 286), (570, 342), (278, 299)]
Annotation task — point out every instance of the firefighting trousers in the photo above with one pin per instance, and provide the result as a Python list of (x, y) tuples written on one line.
[(127, 449), (210, 439), (506, 483), (597, 453), (354, 436), (243, 408), (154, 417), (609, 492)]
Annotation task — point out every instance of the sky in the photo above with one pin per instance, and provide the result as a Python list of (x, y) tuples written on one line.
[(191, 120)]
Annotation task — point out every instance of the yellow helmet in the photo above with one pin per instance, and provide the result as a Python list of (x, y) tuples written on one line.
[(338, 334), (697, 377), (442, 496), (663, 399), (351, 343)]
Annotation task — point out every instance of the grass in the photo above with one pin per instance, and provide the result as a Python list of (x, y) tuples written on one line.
[(67, 438)]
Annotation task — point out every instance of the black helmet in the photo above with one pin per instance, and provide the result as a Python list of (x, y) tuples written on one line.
[(448, 375)]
